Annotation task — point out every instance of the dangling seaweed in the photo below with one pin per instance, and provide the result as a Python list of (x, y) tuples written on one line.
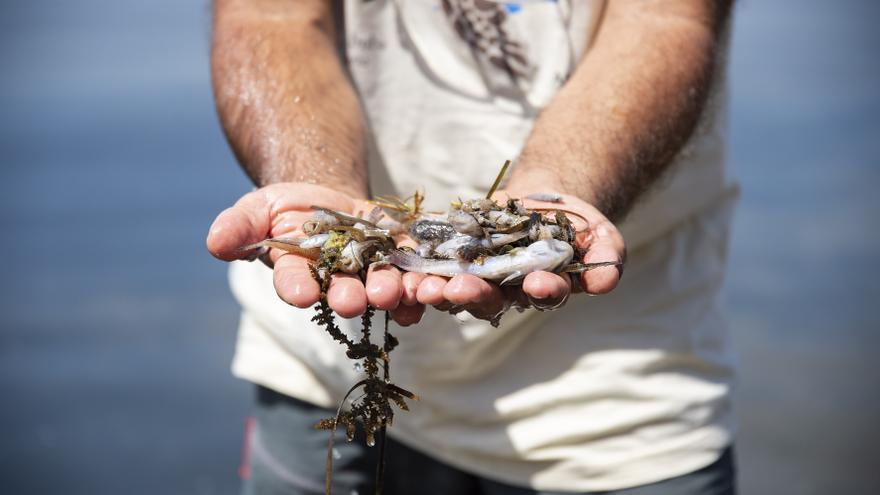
[(373, 409)]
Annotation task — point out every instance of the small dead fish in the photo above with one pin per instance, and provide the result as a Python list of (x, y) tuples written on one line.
[(431, 231), (465, 223), (545, 255), (585, 267), (310, 247), (452, 248), (353, 257), (546, 197), (502, 219), (342, 218)]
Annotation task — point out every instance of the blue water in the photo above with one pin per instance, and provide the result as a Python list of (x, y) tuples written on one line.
[(805, 258), (117, 328)]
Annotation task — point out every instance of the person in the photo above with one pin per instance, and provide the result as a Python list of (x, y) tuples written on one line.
[(617, 107)]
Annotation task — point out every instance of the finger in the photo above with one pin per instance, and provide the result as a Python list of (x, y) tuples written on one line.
[(411, 282), (384, 287), (277, 208), (294, 282), (606, 245), (479, 297), (247, 222), (406, 314), (431, 290), (546, 290), (468, 289), (346, 295)]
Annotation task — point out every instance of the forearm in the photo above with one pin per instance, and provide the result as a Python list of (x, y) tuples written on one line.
[(630, 105), (286, 105)]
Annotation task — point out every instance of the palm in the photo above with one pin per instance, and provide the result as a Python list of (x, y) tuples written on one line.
[(486, 300), (280, 210)]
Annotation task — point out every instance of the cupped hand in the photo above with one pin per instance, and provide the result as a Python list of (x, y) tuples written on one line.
[(542, 290), (280, 210)]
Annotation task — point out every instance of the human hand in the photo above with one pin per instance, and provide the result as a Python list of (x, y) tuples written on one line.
[(542, 290), (280, 210)]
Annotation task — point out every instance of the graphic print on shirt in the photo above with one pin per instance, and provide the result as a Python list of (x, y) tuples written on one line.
[(481, 24)]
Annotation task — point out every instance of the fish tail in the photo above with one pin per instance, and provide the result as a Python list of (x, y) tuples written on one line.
[(585, 267), (289, 245)]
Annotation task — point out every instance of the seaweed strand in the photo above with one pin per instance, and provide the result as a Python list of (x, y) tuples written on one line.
[(373, 409), (498, 179), (386, 364)]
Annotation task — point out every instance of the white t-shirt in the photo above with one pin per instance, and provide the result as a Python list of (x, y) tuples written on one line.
[(607, 393)]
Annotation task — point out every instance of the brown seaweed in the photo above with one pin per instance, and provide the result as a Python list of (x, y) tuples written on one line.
[(373, 409)]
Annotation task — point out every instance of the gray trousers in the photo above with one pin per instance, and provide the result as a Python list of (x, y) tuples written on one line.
[(287, 456)]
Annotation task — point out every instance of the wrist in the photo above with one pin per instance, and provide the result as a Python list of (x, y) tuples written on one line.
[(540, 179)]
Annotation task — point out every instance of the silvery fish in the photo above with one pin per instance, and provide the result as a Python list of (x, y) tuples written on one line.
[(545, 255)]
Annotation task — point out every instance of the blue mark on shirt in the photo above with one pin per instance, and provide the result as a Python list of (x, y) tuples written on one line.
[(514, 7)]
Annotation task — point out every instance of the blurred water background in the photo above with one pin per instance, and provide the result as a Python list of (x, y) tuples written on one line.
[(117, 327)]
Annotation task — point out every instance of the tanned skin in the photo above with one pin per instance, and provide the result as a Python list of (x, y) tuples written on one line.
[(631, 104), (288, 109), (297, 128)]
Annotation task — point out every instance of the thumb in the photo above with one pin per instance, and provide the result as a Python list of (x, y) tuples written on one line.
[(247, 222)]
